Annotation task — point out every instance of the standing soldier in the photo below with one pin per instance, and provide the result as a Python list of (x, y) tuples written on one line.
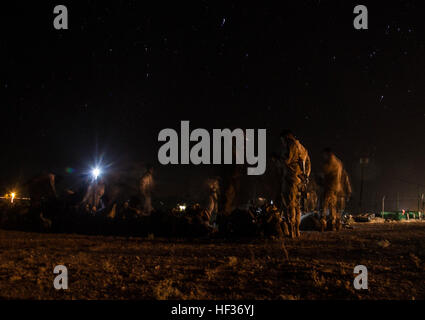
[(213, 186), (231, 194), (42, 192), (94, 195), (146, 187), (311, 199), (295, 170), (345, 193), (332, 172), (231, 180), (232, 184)]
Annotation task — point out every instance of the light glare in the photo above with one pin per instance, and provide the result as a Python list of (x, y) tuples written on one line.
[(96, 173)]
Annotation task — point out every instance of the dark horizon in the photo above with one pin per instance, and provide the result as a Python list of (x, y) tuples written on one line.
[(125, 71)]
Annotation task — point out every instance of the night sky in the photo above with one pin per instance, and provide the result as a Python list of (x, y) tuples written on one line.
[(125, 71)]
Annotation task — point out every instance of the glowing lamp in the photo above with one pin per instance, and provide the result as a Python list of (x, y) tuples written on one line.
[(96, 173)]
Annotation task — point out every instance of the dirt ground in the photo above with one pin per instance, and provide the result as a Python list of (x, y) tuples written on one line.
[(320, 266)]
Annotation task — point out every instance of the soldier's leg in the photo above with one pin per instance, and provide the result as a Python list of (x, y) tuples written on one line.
[(148, 204), (294, 204), (298, 222), (342, 205), (215, 212), (333, 218), (285, 213), (285, 228), (333, 211), (292, 221), (299, 208), (340, 211), (324, 212)]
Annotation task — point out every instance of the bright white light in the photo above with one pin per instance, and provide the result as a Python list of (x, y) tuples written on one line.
[(182, 207), (12, 196), (95, 173)]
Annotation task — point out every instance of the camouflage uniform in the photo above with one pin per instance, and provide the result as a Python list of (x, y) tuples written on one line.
[(231, 195), (311, 197), (232, 175), (332, 173), (295, 164), (146, 186), (345, 192), (93, 197)]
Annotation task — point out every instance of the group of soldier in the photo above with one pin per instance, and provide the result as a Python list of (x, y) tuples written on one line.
[(298, 192), (326, 195)]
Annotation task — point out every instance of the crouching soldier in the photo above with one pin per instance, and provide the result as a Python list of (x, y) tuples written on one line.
[(42, 192), (272, 223)]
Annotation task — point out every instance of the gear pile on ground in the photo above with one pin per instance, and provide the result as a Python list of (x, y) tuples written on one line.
[(194, 221)]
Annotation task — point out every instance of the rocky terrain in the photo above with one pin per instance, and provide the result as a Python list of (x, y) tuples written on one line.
[(319, 265)]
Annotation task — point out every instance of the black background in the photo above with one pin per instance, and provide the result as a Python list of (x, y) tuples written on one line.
[(125, 70)]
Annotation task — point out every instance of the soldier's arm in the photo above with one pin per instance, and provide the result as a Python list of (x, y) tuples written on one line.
[(52, 183), (292, 154)]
